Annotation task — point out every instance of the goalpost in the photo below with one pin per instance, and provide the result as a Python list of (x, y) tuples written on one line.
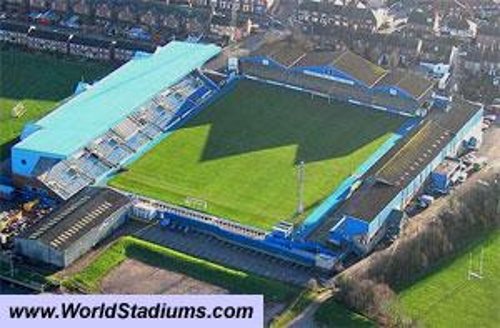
[(197, 203), (19, 110), (471, 272)]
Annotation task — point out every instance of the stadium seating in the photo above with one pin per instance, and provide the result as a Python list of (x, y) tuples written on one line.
[(136, 141), (213, 220), (337, 90), (122, 141), (396, 103), (151, 130), (118, 154), (265, 72), (308, 82), (110, 149), (126, 129), (65, 179), (188, 86), (158, 116), (90, 164)]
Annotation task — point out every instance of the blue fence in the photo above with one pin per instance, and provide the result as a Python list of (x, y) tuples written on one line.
[(281, 248)]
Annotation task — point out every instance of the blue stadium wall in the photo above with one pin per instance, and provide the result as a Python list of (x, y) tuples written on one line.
[(333, 74), (24, 161), (349, 227)]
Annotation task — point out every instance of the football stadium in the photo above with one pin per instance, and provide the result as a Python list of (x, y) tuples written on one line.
[(297, 153), (241, 156)]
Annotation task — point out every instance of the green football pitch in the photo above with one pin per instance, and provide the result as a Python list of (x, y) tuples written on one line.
[(239, 157), (39, 82), (447, 298)]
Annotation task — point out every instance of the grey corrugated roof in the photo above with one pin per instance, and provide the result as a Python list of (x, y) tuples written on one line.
[(90, 208), (359, 68), (398, 168), (416, 85), (287, 52)]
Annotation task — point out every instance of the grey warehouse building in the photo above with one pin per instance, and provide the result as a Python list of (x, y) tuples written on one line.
[(74, 228)]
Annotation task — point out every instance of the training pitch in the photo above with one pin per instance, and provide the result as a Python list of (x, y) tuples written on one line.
[(39, 82), (239, 157), (448, 298)]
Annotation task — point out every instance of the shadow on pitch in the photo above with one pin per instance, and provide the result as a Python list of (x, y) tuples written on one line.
[(243, 122)]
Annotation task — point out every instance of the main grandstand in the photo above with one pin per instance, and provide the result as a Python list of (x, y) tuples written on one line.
[(101, 128), (368, 138)]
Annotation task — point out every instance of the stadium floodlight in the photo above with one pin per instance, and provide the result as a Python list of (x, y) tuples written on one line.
[(300, 185)]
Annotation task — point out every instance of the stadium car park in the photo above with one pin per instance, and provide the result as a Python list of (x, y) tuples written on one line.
[(161, 131)]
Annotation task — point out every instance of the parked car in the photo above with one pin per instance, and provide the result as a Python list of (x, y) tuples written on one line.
[(425, 201), (490, 117), (469, 159), (486, 125)]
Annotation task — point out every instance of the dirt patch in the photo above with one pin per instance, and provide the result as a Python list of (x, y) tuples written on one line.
[(134, 277)]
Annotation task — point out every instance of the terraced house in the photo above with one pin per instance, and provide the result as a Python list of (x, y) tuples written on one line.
[(331, 14), (246, 6)]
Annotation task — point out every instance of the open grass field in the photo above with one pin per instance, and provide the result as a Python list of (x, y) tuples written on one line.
[(234, 281), (446, 298), (39, 81), (241, 154)]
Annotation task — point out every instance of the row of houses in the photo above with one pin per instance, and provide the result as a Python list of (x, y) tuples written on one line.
[(245, 6), (474, 8), (132, 10), (400, 49), (325, 17), (461, 26), (418, 41), (313, 14), (44, 39), (154, 17), (152, 21), (403, 50)]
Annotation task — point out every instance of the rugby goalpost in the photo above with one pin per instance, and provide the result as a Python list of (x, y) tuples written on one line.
[(471, 272), (18, 110)]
